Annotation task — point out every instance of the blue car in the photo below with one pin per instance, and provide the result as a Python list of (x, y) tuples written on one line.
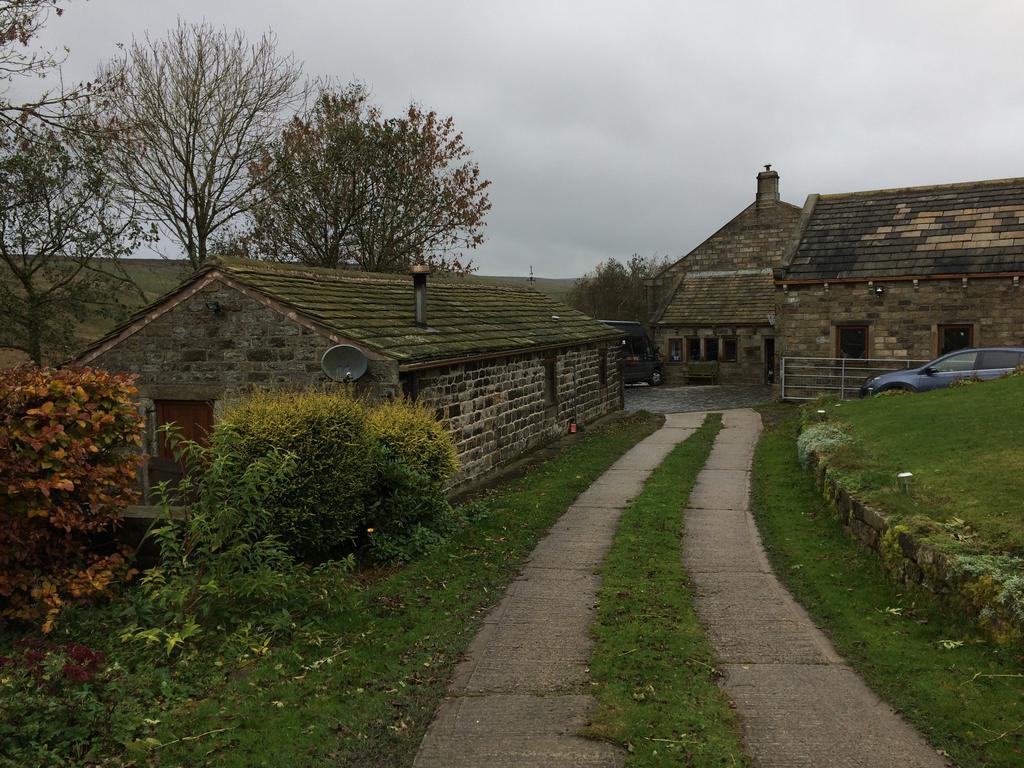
[(985, 363)]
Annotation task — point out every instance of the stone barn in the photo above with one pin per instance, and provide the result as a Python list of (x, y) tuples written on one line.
[(905, 273), (713, 311), (505, 369)]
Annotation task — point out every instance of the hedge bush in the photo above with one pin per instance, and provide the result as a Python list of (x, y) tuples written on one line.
[(322, 507), (68, 458), (415, 438)]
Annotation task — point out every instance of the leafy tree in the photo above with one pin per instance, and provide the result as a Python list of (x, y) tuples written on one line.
[(61, 235), (193, 112), (617, 291), (310, 189), (343, 182)]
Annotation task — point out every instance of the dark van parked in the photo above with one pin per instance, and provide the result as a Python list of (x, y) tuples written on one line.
[(640, 359), (984, 364)]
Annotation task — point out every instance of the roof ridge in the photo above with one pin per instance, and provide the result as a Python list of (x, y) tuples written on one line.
[(236, 266), (1009, 181)]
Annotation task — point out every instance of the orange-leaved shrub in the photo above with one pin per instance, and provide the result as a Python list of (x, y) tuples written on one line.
[(68, 455)]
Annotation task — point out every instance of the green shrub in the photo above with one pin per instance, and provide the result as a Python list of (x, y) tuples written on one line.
[(415, 438), (322, 506), (223, 568), (822, 439), (409, 514)]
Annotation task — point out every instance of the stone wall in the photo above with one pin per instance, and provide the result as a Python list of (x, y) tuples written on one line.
[(497, 410), (749, 367), (918, 564), (903, 322)]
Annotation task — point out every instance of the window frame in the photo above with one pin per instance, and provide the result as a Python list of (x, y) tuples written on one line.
[(941, 328), (723, 347), (839, 329), (692, 343), (550, 382), (676, 349), (708, 342)]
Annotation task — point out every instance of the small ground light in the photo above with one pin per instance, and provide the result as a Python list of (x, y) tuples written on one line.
[(904, 480)]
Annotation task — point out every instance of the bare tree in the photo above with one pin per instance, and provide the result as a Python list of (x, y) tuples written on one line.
[(61, 236), (192, 113), (21, 22), (343, 182)]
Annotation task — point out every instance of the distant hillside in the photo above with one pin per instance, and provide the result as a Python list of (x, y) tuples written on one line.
[(155, 277)]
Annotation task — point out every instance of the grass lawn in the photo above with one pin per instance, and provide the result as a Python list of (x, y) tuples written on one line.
[(653, 665), (965, 695), (361, 688), (965, 447)]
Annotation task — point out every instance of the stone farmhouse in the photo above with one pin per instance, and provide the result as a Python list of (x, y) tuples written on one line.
[(904, 273), (712, 313), (505, 369)]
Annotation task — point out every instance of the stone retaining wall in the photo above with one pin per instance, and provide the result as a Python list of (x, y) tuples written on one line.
[(919, 564)]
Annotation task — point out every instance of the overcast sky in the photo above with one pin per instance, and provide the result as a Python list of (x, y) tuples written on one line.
[(608, 128)]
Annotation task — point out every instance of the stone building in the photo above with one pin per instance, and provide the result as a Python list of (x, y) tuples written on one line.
[(505, 369), (713, 311), (904, 273)]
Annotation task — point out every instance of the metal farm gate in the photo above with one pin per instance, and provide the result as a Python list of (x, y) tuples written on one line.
[(807, 378)]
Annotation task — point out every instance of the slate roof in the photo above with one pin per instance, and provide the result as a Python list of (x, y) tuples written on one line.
[(739, 297), (466, 318), (955, 229)]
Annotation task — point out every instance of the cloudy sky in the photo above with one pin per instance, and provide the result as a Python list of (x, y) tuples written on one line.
[(609, 128)]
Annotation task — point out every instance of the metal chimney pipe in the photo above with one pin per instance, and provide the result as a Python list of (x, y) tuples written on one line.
[(419, 274)]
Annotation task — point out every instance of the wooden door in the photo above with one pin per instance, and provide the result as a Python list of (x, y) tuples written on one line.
[(193, 419)]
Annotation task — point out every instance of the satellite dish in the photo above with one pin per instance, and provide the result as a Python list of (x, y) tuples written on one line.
[(343, 362)]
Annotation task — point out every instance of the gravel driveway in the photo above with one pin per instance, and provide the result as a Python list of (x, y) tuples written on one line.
[(713, 397)]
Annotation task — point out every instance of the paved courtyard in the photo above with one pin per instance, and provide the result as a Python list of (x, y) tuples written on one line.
[(712, 397)]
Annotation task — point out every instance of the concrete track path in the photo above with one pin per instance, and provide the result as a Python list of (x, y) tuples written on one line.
[(521, 695), (799, 703)]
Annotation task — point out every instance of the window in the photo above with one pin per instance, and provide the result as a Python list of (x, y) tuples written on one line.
[(675, 350), (693, 348), (602, 367), (995, 359), (550, 382), (956, 363), (954, 337), (710, 349), (728, 350), (852, 341)]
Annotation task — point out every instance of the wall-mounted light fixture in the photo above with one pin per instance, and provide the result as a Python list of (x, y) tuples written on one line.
[(879, 290)]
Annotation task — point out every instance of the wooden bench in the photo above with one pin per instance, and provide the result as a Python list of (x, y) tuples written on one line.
[(703, 372)]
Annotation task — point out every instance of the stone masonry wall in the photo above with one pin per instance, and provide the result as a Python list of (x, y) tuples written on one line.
[(916, 563), (748, 368), (496, 410), (903, 322)]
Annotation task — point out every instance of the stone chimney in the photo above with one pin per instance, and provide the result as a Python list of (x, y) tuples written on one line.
[(419, 274), (767, 186)]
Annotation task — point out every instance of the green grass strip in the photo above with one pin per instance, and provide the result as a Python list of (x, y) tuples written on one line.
[(367, 693), (964, 694), (653, 664)]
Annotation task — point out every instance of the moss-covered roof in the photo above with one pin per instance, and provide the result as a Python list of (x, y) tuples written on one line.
[(739, 297), (465, 318)]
